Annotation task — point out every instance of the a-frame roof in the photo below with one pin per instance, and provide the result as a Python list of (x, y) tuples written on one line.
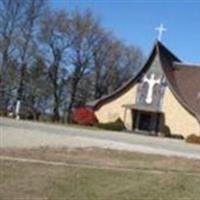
[(183, 80)]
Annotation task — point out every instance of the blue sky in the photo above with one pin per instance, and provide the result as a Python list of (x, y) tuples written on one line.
[(134, 22)]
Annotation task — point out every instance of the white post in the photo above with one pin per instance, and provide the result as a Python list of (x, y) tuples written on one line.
[(17, 110)]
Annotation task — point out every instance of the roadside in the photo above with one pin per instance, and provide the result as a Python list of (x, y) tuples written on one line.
[(25, 134)]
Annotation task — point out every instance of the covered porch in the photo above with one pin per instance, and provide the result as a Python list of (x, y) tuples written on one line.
[(145, 120)]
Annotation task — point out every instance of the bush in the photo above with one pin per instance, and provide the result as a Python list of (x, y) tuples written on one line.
[(117, 125), (84, 116), (165, 131), (194, 139), (177, 136)]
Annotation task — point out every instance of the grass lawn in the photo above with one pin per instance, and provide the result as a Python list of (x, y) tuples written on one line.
[(143, 176)]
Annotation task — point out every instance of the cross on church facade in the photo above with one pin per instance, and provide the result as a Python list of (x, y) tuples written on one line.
[(160, 30), (151, 83)]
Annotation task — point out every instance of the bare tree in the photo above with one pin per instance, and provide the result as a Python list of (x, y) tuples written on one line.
[(55, 38), (114, 63), (84, 29), (26, 42), (37, 91), (99, 70), (131, 60), (11, 13), (101, 65), (53, 60), (17, 23)]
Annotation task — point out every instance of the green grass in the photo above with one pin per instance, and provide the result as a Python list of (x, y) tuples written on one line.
[(38, 181)]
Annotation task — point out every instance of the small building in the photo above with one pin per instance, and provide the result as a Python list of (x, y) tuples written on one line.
[(165, 94)]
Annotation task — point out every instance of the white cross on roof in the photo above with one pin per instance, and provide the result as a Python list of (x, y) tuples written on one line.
[(160, 30)]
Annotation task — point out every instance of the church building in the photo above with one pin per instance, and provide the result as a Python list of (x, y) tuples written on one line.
[(165, 93)]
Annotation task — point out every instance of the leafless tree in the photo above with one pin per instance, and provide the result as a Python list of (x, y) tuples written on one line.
[(84, 31), (101, 63), (17, 23), (53, 60), (11, 13), (26, 42), (55, 42), (37, 91), (114, 64), (99, 70)]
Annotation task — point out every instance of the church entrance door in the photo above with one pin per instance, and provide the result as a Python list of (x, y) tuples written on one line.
[(146, 122)]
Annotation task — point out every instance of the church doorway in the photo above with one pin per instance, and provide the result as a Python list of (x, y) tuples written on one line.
[(146, 122)]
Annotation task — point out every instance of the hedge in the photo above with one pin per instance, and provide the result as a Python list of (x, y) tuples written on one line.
[(117, 125)]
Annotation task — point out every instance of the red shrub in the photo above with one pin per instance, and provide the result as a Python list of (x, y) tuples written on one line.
[(84, 116)]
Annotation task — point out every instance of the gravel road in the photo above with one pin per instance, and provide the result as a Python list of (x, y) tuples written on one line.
[(26, 134)]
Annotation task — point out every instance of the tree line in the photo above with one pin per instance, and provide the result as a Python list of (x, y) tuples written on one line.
[(54, 60)]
